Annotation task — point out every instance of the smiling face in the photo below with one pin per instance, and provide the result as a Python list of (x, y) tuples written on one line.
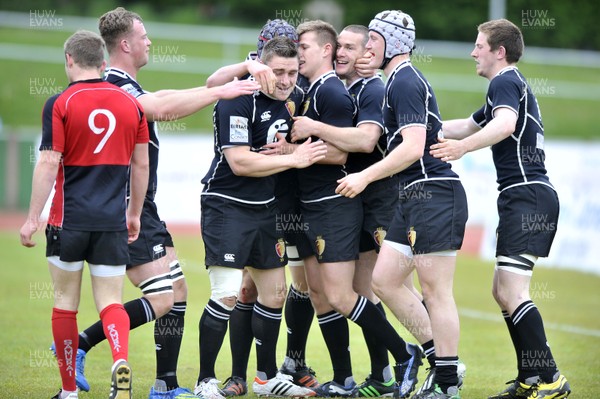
[(286, 72), (350, 48)]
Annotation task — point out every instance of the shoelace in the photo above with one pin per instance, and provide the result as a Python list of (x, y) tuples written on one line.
[(311, 372), (282, 376), (532, 389)]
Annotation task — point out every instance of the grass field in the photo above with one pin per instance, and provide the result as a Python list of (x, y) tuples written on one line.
[(569, 302)]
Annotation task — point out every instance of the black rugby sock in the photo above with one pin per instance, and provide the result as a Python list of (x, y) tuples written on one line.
[(429, 352), (213, 326), (445, 372), (240, 338), (299, 315), (265, 326), (168, 333), (366, 315), (377, 351), (334, 328), (535, 358)]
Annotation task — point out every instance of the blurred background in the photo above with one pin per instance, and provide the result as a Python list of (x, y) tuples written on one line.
[(191, 39)]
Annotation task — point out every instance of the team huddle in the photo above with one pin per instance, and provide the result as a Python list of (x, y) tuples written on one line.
[(305, 130)]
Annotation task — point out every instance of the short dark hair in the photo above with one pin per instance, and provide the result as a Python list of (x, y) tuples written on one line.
[(281, 46), (86, 48), (360, 29), (502, 32)]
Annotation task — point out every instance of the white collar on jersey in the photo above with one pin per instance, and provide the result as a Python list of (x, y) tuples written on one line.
[(364, 80), (506, 69), (118, 72), (403, 64), (322, 78)]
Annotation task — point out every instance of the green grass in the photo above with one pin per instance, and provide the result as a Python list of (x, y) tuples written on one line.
[(29, 370), (563, 117)]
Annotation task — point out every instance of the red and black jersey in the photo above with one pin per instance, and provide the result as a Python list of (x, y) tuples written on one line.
[(95, 126)]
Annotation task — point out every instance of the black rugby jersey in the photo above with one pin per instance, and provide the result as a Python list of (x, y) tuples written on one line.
[(130, 85), (367, 94), (410, 101), (328, 101), (287, 181), (286, 187), (251, 120), (519, 158)]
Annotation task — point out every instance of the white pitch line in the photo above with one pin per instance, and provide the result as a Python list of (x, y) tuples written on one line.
[(479, 315)]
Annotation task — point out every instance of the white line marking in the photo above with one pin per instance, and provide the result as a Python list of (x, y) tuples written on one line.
[(479, 315)]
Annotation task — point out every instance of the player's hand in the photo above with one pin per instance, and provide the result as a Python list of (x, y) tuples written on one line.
[(279, 147), (133, 229), (263, 75), (309, 153), (448, 150), (351, 185), (303, 128), (364, 66), (27, 231), (237, 88)]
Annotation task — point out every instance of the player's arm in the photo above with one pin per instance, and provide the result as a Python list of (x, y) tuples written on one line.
[(335, 156), (261, 73), (176, 104), (244, 162), (140, 170), (458, 129), (362, 138), (44, 176), (405, 154), (500, 127)]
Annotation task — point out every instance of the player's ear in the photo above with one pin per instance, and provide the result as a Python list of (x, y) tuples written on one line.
[(124, 44), (327, 49), (69, 60), (501, 52)]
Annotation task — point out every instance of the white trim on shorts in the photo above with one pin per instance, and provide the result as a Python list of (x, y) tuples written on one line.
[(407, 251), (95, 270), (402, 248)]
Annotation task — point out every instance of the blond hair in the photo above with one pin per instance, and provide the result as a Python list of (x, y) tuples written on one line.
[(115, 24)]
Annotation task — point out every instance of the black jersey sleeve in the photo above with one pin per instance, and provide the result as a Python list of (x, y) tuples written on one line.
[(370, 102), (235, 119), (479, 117), (505, 92)]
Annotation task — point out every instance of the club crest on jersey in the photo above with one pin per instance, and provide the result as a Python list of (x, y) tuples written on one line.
[(305, 106), (412, 237), (238, 129), (379, 236), (320, 243), (280, 248), (291, 107)]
